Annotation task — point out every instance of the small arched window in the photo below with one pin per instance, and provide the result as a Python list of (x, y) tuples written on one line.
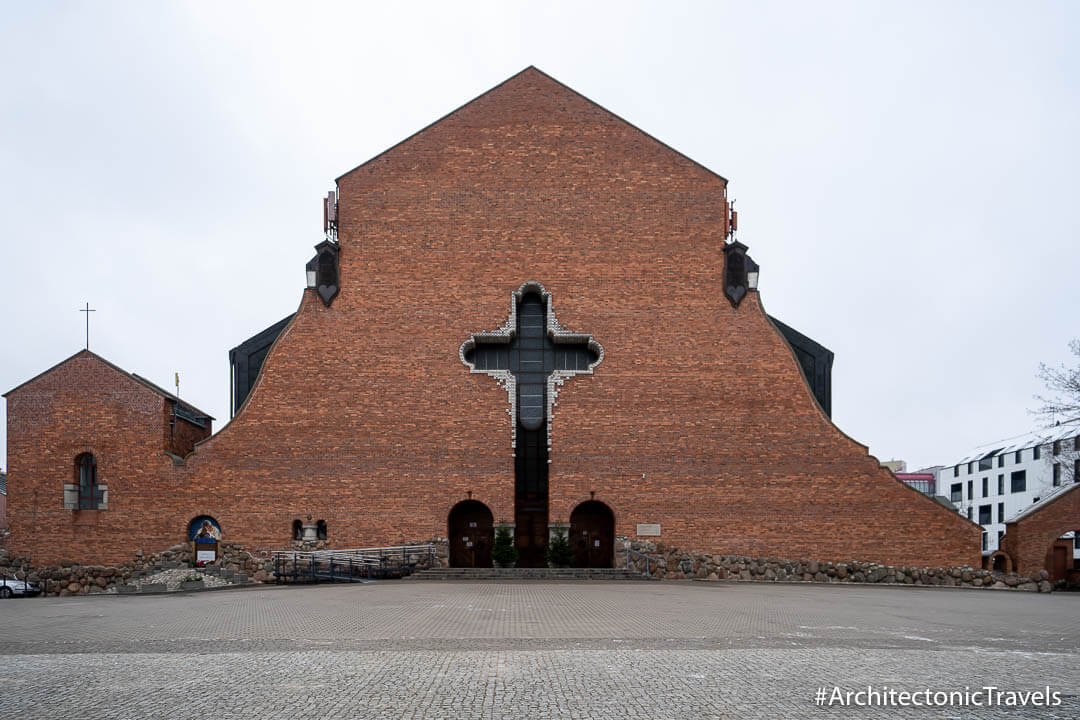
[(89, 492), (297, 530), (320, 530)]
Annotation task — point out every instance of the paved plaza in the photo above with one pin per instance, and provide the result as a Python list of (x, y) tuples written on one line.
[(532, 650)]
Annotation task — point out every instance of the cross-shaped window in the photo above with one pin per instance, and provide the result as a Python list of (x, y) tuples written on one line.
[(531, 352)]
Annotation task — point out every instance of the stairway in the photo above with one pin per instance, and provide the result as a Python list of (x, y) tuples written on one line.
[(527, 574)]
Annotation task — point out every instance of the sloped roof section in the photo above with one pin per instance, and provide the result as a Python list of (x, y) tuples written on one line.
[(1043, 436), (1054, 496), (141, 380), (532, 74)]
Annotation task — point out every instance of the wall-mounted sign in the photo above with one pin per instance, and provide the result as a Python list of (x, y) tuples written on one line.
[(648, 529), (205, 556)]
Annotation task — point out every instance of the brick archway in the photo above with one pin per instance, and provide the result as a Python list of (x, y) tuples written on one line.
[(999, 561), (1030, 536), (1059, 558)]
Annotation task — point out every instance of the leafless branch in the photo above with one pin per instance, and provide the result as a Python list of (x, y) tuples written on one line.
[(1062, 398)]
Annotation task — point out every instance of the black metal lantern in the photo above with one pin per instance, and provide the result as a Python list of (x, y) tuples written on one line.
[(740, 272), (322, 271)]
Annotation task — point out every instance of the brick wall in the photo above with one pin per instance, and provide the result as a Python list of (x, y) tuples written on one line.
[(180, 434), (1028, 540), (698, 418), (83, 405)]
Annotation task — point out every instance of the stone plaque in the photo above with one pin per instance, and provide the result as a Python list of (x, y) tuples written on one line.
[(648, 529), (205, 556)]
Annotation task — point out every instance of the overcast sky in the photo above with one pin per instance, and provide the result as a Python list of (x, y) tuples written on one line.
[(905, 173)]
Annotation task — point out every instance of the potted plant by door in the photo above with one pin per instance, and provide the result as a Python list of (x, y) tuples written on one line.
[(559, 553), (503, 551)]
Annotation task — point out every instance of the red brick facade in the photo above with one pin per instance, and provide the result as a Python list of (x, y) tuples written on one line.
[(1028, 539), (87, 405), (698, 418)]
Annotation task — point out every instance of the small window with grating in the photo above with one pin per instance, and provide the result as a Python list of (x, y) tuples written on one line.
[(89, 492)]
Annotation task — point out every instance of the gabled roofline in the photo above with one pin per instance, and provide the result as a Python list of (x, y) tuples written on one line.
[(560, 84), (1053, 497), (169, 396), (141, 380)]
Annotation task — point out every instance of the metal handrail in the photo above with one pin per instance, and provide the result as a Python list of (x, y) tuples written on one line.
[(349, 564), (648, 561)]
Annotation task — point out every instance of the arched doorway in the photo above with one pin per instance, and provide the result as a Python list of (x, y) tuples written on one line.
[(592, 535), (1061, 560), (1001, 562), (471, 529)]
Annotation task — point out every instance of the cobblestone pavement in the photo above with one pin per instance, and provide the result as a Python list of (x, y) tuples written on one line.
[(531, 650)]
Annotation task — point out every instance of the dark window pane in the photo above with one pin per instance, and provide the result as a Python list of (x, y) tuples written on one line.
[(89, 496)]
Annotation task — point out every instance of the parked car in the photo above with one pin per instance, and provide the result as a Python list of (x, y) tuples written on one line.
[(10, 587)]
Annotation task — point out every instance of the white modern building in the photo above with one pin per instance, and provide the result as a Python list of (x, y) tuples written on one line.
[(1000, 480)]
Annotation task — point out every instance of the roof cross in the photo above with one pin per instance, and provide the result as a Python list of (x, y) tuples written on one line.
[(87, 310)]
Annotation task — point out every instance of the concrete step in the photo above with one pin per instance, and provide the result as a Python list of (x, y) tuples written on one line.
[(527, 574)]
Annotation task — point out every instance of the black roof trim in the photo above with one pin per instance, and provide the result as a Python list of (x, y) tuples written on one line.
[(265, 336)]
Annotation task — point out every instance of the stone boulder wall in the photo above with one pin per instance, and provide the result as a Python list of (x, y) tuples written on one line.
[(674, 564), (75, 579)]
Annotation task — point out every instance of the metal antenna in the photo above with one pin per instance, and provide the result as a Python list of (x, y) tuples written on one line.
[(87, 310), (733, 221)]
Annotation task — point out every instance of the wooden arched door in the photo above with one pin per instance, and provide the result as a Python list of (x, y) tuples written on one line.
[(471, 529), (592, 535)]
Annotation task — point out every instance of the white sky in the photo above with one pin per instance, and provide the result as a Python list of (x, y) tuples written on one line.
[(905, 173)]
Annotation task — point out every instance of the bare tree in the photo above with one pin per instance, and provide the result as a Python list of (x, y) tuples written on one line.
[(1061, 405), (1062, 401)]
